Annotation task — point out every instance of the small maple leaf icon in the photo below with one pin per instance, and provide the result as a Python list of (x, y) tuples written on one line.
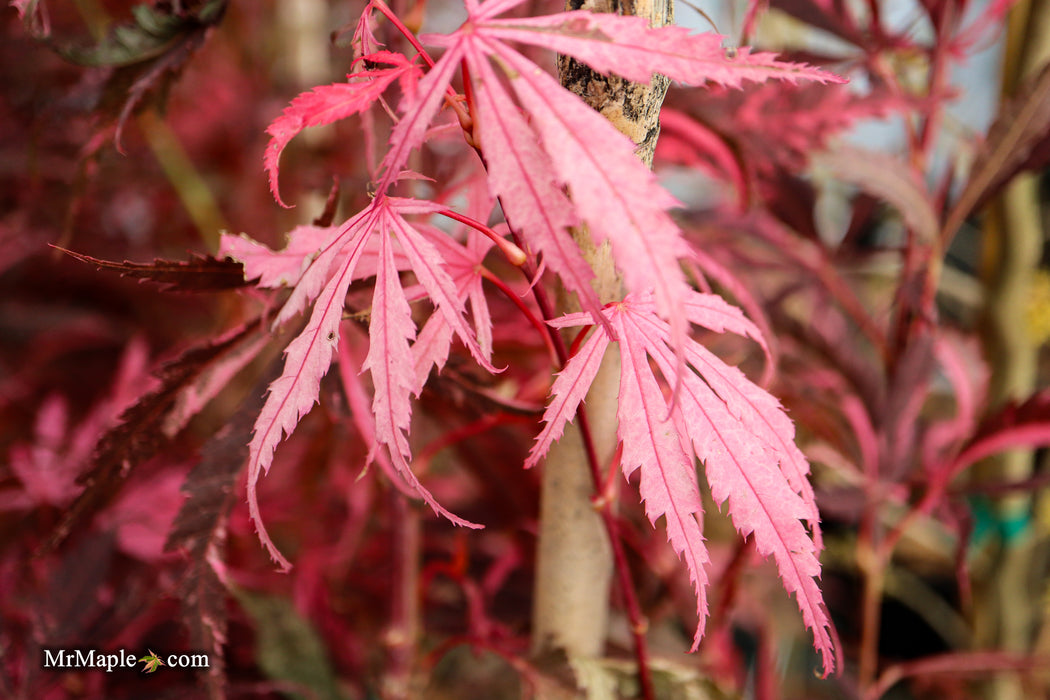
[(152, 662)]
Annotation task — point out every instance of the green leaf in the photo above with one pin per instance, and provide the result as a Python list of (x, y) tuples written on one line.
[(152, 662), (151, 33), (288, 647)]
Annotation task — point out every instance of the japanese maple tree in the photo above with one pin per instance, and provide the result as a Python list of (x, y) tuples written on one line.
[(568, 168), (464, 305)]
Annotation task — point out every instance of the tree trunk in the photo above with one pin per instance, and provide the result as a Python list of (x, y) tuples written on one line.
[(574, 561)]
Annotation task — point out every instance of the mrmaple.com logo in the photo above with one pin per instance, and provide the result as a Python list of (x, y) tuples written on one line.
[(90, 658)]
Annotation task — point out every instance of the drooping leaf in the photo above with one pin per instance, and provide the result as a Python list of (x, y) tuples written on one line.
[(389, 357), (733, 428), (653, 445), (309, 356), (293, 394), (612, 192), (391, 365), (522, 174), (329, 103), (739, 431)]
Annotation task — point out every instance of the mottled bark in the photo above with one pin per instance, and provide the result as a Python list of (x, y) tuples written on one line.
[(633, 108)]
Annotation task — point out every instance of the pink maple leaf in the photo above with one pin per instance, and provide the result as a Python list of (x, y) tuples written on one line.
[(568, 146), (276, 269), (555, 165), (330, 103), (464, 265), (48, 466), (738, 430), (390, 360), (629, 47)]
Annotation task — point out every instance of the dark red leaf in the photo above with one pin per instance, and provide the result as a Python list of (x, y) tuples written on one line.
[(1018, 140), (200, 531), (201, 273), (140, 434), (1015, 425)]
